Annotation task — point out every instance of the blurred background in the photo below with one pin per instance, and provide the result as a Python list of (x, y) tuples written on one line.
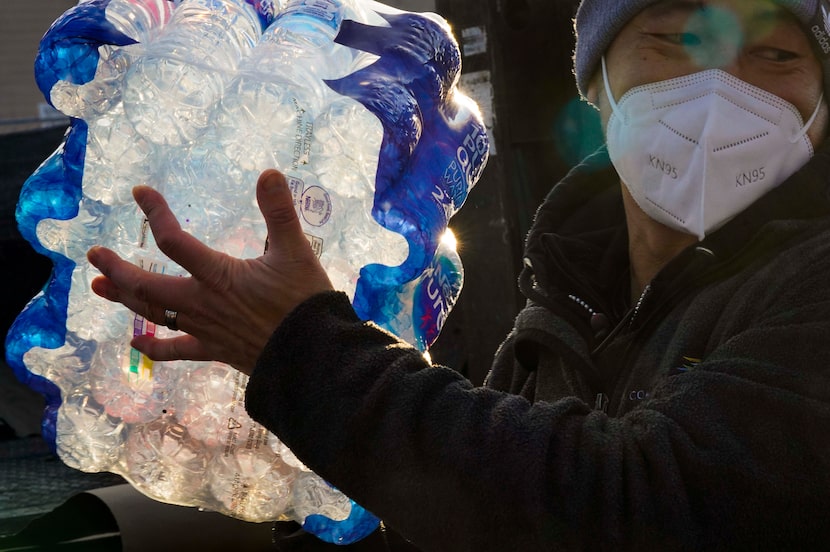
[(516, 65)]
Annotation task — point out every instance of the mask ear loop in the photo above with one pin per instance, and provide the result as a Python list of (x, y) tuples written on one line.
[(799, 135), (610, 95)]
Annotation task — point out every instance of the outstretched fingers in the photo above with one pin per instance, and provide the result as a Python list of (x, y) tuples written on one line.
[(188, 252), (181, 347), (228, 307), (295, 266), (146, 293), (285, 234)]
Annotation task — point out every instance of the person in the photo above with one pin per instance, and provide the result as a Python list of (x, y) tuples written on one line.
[(666, 387)]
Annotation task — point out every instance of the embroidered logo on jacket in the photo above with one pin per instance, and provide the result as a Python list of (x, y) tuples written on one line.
[(686, 363)]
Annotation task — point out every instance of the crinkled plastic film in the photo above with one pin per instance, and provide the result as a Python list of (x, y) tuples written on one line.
[(355, 101)]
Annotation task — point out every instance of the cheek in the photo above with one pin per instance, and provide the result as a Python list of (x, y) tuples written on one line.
[(817, 133)]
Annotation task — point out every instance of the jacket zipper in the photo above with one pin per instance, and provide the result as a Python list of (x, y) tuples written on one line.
[(639, 304), (632, 348), (602, 400)]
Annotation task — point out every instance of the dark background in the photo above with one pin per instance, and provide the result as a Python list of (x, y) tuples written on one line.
[(541, 130)]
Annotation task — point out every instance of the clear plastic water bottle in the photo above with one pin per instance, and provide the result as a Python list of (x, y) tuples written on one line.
[(164, 460), (252, 484), (139, 20), (89, 439), (118, 157), (286, 454), (313, 496), (97, 97), (278, 91), (130, 386), (278, 112), (171, 90), (210, 402)]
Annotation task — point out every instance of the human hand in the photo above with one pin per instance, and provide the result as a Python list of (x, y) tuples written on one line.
[(228, 308)]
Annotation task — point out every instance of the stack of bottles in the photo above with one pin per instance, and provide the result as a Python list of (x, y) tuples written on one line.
[(356, 102)]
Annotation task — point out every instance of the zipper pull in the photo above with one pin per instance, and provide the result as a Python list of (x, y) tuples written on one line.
[(600, 325)]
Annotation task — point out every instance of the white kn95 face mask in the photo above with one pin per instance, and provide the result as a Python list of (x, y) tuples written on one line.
[(695, 151)]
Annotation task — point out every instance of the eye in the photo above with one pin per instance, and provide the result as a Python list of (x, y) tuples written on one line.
[(776, 55)]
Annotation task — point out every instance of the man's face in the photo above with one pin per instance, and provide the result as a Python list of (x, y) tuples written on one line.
[(754, 40)]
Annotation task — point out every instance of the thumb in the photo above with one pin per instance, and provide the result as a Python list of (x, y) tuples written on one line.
[(276, 202)]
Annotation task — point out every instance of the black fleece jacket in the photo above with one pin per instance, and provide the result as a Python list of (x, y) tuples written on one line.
[(696, 419)]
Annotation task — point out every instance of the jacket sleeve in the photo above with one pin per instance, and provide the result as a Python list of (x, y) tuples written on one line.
[(450, 466), (458, 468)]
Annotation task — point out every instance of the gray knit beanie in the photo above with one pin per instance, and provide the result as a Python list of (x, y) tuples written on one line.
[(599, 21)]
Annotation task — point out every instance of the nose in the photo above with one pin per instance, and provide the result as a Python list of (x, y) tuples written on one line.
[(718, 37), (731, 66), (721, 52)]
